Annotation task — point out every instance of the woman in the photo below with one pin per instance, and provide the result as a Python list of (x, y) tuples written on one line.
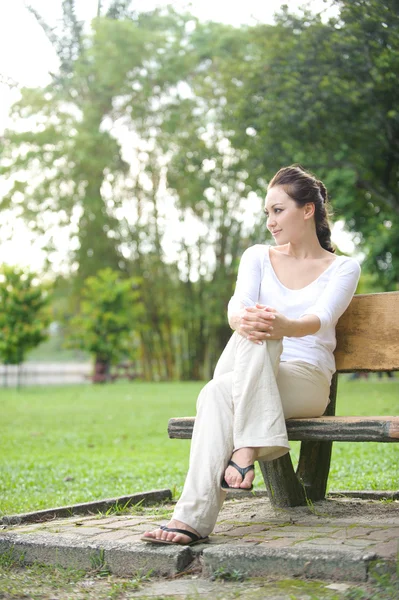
[(279, 361)]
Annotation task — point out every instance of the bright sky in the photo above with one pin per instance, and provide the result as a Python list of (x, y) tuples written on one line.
[(27, 57)]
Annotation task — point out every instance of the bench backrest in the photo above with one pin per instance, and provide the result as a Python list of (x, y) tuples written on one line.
[(368, 334)]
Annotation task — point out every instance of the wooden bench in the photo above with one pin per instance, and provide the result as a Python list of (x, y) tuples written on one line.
[(367, 340)]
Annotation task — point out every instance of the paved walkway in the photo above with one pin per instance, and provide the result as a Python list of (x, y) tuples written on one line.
[(338, 539)]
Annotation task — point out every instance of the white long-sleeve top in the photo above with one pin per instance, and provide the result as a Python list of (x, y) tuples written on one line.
[(327, 297)]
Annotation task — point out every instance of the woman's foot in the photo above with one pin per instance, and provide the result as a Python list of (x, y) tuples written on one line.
[(171, 536), (242, 457)]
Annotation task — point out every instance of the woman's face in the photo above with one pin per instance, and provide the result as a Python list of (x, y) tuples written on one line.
[(285, 220)]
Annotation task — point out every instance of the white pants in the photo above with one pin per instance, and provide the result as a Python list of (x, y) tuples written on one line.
[(244, 405)]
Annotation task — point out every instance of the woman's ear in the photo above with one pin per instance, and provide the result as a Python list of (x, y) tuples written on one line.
[(309, 210)]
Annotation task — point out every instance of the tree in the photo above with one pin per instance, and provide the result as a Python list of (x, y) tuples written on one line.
[(23, 314), (212, 111), (66, 162), (110, 310), (208, 178), (325, 95)]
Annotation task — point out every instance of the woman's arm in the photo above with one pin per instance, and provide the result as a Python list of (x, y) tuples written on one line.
[(337, 294), (262, 322), (325, 311), (235, 318), (246, 292)]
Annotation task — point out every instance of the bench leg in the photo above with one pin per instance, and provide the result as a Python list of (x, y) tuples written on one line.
[(309, 483), (282, 484)]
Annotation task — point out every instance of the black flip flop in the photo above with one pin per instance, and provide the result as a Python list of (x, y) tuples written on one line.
[(196, 539), (242, 471)]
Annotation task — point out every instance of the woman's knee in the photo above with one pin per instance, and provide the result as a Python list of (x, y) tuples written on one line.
[(248, 349), (275, 349), (217, 390)]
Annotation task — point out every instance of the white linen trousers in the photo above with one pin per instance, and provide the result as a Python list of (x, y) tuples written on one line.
[(244, 405)]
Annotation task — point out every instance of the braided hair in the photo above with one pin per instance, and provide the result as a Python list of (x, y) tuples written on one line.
[(303, 188)]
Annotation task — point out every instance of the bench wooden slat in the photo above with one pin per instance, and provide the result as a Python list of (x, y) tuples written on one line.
[(368, 334), (323, 429), (344, 429)]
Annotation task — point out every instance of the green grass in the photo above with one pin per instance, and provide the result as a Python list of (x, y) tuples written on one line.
[(74, 444), (41, 582)]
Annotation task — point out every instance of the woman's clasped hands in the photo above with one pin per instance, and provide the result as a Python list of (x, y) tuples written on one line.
[(259, 323)]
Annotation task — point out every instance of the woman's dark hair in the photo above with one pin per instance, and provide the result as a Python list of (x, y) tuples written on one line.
[(303, 187)]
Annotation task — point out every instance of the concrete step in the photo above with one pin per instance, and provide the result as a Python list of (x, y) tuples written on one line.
[(336, 540)]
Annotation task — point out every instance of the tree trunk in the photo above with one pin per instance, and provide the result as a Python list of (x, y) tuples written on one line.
[(101, 370)]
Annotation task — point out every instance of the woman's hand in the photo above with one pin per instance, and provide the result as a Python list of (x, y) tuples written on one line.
[(253, 323), (260, 323)]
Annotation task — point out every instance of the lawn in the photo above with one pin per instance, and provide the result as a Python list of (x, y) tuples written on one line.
[(61, 445)]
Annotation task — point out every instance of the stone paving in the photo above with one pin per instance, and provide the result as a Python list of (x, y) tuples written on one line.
[(337, 540)]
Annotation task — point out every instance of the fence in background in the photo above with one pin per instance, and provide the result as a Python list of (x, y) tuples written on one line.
[(44, 373)]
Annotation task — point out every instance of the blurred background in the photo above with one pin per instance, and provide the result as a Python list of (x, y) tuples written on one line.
[(137, 141)]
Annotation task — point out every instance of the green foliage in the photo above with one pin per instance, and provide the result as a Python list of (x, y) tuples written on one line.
[(207, 113), (77, 160), (23, 315), (384, 587), (226, 574), (109, 312), (325, 95), (10, 559), (98, 564)]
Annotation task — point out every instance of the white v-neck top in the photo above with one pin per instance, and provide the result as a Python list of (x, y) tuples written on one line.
[(327, 297)]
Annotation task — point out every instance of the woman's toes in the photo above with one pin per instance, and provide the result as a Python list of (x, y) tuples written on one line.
[(158, 533), (248, 480), (172, 536), (246, 484), (233, 480), (150, 534)]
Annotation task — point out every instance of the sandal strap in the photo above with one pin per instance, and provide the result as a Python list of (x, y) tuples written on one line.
[(242, 470), (190, 534)]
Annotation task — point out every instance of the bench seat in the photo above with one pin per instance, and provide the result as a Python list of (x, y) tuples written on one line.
[(320, 429)]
